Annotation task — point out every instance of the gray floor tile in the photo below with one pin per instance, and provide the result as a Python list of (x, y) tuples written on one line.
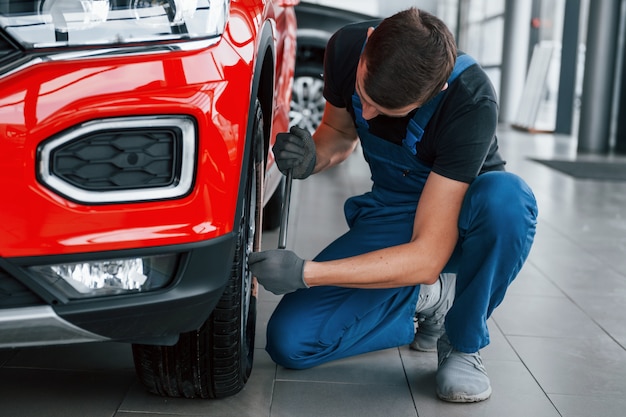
[(602, 280), (546, 317), (383, 367), (322, 399), (584, 366), (608, 311), (609, 248), (589, 406), (560, 258)]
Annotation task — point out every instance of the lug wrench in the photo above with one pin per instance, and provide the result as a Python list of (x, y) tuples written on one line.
[(284, 211)]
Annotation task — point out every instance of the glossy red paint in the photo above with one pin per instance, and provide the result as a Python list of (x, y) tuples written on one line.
[(212, 84)]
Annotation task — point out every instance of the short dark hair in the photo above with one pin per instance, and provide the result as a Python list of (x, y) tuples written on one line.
[(409, 58)]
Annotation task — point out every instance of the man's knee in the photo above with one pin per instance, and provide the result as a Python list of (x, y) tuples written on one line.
[(286, 343), (503, 198)]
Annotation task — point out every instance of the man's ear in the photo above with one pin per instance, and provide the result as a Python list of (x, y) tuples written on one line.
[(445, 87), (369, 31)]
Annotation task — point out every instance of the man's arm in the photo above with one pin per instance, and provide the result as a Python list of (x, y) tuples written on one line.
[(335, 138), (435, 233)]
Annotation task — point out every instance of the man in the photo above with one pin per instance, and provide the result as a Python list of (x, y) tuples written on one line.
[(443, 231)]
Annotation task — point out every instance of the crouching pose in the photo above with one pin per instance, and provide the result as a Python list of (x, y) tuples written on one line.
[(443, 231)]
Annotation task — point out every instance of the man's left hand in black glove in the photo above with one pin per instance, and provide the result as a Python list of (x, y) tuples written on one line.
[(280, 271)]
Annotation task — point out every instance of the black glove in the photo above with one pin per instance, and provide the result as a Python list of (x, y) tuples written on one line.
[(278, 270), (295, 150)]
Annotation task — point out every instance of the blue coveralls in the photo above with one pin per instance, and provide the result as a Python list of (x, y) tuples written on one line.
[(496, 230)]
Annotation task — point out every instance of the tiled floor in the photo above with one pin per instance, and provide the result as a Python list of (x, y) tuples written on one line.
[(558, 340)]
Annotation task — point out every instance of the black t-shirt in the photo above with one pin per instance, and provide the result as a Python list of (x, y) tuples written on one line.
[(459, 142)]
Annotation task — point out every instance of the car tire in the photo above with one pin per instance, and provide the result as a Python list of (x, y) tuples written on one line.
[(307, 98), (216, 360)]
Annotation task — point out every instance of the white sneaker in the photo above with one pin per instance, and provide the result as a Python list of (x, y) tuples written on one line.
[(431, 315), (461, 377)]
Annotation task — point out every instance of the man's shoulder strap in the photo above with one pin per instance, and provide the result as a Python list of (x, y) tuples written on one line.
[(421, 118), (462, 63)]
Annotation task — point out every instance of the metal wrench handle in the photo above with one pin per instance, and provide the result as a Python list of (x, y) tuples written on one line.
[(284, 211)]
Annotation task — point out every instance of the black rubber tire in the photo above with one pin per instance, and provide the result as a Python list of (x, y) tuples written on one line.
[(216, 360)]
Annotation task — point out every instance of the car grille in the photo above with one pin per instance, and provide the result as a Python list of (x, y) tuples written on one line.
[(14, 294), (121, 159), (124, 159)]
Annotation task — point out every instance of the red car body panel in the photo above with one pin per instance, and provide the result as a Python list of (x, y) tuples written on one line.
[(47, 92), (213, 85)]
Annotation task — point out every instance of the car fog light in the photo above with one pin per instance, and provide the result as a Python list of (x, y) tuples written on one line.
[(111, 276)]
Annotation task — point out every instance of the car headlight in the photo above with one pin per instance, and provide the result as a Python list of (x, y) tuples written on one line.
[(50, 23), (110, 277)]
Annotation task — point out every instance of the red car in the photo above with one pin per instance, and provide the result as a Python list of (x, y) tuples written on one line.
[(135, 164)]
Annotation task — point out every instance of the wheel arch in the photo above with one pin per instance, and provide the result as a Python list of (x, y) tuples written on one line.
[(262, 88)]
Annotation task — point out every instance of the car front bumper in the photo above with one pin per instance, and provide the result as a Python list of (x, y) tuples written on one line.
[(33, 315)]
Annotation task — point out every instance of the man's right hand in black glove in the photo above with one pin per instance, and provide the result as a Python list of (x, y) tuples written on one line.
[(296, 151)]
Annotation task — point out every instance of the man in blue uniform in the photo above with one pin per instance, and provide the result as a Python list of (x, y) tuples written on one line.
[(444, 229)]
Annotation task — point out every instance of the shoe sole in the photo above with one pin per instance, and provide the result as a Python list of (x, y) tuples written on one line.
[(464, 398)]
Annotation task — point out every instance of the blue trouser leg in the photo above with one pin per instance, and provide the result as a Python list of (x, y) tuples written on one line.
[(496, 230), (331, 323), (320, 324)]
